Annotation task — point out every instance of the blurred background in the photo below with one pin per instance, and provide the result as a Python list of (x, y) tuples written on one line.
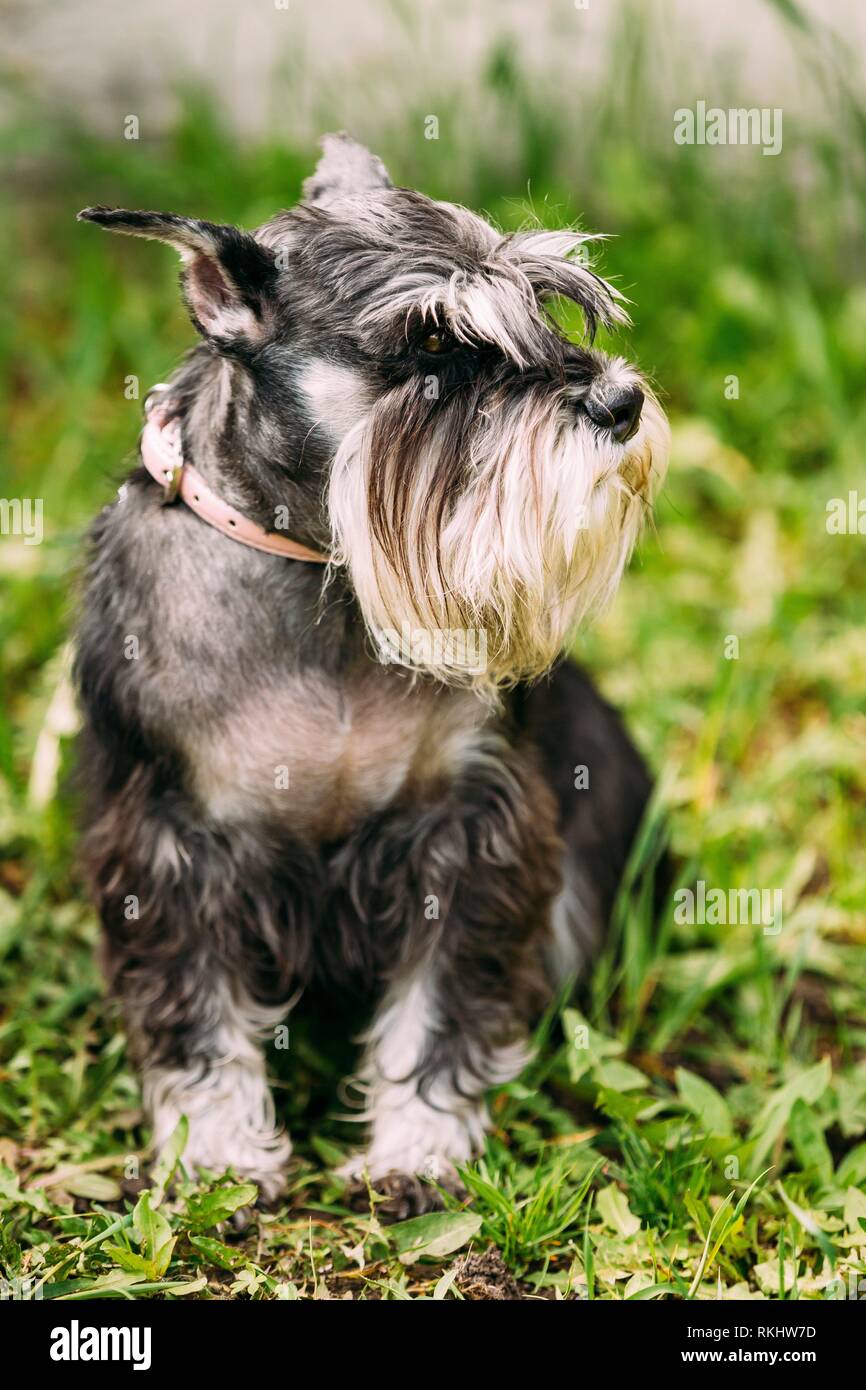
[(746, 272)]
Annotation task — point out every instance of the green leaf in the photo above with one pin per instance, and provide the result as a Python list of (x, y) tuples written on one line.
[(218, 1205), (807, 1086), (614, 1211), (587, 1047), (588, 1260), (179, 1286), (155, 1236), (438, 1233), (444, 1284), (216, 1253), (12, 1193), (730, 1223), (119, 1285), (620, 1076), (807, 1138), (95, 1186), (330, 1154), (854, 1210), (704, 1101), (169, 1157), (115, 1283), (129, 1260), (619, 1105), (651, 1291), (852, 1169), (808, 1222)]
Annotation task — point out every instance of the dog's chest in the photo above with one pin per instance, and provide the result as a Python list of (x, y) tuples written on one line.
[(319, 757)]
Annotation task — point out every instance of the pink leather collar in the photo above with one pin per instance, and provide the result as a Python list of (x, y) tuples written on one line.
[(162, 457)]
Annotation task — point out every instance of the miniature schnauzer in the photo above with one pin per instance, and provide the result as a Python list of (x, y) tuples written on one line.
[(317, 746)]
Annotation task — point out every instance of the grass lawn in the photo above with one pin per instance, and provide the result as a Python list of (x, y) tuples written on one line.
[(694, 1124)]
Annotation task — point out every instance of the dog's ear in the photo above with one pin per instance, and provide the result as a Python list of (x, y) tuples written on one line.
[(346, 170), (228, 278)]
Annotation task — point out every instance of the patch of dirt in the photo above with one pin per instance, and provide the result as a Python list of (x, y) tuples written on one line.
[(483, 1277)]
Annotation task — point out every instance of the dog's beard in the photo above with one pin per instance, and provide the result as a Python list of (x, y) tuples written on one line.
[(478, 536)]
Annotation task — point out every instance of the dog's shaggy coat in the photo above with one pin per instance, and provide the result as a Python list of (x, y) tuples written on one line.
[(282, 791)]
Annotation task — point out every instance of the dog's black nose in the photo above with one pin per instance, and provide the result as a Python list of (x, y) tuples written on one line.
[(616, 409)]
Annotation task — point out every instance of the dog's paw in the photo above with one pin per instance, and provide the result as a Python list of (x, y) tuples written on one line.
[(251, 1156), (401, 1195)]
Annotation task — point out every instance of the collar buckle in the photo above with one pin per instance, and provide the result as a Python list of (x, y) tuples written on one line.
[(171, 486), (172, 471)]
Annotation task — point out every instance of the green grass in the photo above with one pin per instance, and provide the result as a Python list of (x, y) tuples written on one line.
[(695, 1120)]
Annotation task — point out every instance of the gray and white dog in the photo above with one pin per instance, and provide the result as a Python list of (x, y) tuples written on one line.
[(306, 774)]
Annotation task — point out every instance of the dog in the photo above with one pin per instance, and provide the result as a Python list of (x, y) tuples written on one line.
[(329, 739)]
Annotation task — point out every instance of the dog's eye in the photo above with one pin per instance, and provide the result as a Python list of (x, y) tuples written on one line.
[(440, 340)]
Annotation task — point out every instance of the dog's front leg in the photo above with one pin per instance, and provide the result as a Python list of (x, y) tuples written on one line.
[(473, 883), (179, 930), (220, 1085)]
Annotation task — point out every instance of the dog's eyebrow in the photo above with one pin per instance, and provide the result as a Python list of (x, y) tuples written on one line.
[(498, 301), (552, 263), (480, 307)]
